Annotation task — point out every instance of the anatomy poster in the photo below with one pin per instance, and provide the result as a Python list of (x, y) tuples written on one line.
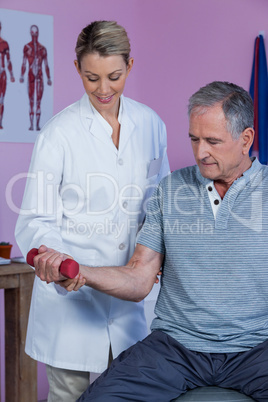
[(26, 74)]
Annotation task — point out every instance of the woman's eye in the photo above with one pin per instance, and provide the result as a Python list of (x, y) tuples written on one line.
[(92, 79), (115, 78)]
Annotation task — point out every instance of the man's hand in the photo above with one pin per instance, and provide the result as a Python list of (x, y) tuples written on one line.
[(73, 284)]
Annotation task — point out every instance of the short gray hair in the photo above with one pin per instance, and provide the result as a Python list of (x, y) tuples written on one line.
[(235, 101), (105, 38)]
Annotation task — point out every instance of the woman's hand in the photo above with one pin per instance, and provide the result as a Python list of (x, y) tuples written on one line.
[(47, 264)]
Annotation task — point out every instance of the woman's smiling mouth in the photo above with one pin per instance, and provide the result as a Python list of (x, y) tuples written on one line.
[(106, 99)]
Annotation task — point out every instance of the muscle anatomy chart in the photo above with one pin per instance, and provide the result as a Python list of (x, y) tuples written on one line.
[(26, 62)]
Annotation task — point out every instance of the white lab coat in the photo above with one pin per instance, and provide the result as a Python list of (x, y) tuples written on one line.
[(85, 197)]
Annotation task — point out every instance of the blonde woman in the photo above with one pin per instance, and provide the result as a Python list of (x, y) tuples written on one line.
[(93, 167)]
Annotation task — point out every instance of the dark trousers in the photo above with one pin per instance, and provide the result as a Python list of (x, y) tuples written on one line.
[(159, 369)]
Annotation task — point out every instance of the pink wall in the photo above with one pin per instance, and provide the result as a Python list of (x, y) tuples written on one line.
[(178, 46)]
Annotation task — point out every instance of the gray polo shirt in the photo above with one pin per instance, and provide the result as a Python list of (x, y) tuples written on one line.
[(214, 286)]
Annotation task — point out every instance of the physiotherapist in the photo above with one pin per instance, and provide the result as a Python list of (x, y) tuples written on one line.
[(93, 167)]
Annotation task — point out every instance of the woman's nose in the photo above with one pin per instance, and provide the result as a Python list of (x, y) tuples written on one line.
[(104, 87)]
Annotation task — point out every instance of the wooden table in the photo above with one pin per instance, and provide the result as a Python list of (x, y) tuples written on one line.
[(20, 370)]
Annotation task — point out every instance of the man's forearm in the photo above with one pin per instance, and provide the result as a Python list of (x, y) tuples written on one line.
[(131, 282), (122, 282)]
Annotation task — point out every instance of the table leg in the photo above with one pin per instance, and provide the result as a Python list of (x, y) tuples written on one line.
[(20, 369)]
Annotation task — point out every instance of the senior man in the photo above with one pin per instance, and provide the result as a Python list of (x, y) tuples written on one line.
[(207, 227)]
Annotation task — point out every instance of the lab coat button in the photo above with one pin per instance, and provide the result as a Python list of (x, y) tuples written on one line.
[(120, 162), (125, 204), (122, 246)]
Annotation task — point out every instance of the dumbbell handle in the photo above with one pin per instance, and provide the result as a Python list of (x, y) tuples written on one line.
[(68, 268)]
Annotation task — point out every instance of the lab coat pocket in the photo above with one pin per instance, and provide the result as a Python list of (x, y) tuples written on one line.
[(140, 168), (146, 179), (84, 293), (146, 171), (154, 167)]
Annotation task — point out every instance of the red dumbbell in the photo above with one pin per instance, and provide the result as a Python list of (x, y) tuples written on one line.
[(68, 268)]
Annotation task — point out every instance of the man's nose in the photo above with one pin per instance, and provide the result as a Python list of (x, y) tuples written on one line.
[(202, 150)]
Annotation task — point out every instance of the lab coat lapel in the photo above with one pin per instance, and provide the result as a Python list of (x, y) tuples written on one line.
[(99, 132), (127, 128), (93, 124)]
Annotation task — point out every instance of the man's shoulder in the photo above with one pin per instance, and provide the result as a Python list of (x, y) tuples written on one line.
[(257, 174), (188, 174), (264, 169)]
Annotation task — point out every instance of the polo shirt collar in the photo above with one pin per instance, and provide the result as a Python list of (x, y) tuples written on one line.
[(243, 180)]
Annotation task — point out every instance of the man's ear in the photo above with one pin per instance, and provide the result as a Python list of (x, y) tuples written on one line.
[(247, 137)]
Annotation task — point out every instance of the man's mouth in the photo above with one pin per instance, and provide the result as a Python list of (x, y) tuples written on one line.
[(205, 163)]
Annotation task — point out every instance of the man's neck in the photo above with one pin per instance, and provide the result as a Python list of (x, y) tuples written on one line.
[(223, 186)]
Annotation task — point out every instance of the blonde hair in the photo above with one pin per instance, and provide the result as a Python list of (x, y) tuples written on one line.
[(104, 37)]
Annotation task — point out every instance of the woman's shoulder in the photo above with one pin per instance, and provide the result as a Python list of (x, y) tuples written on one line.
[(61, 125), (64, 117), (135, 106)]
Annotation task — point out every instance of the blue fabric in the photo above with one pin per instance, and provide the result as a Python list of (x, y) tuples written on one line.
[(252, 80), (213, 394), (262, 99), (159, 369)]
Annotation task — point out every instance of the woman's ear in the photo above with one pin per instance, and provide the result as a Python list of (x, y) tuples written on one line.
[(130, 65), (77, 67), (248, 137)]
